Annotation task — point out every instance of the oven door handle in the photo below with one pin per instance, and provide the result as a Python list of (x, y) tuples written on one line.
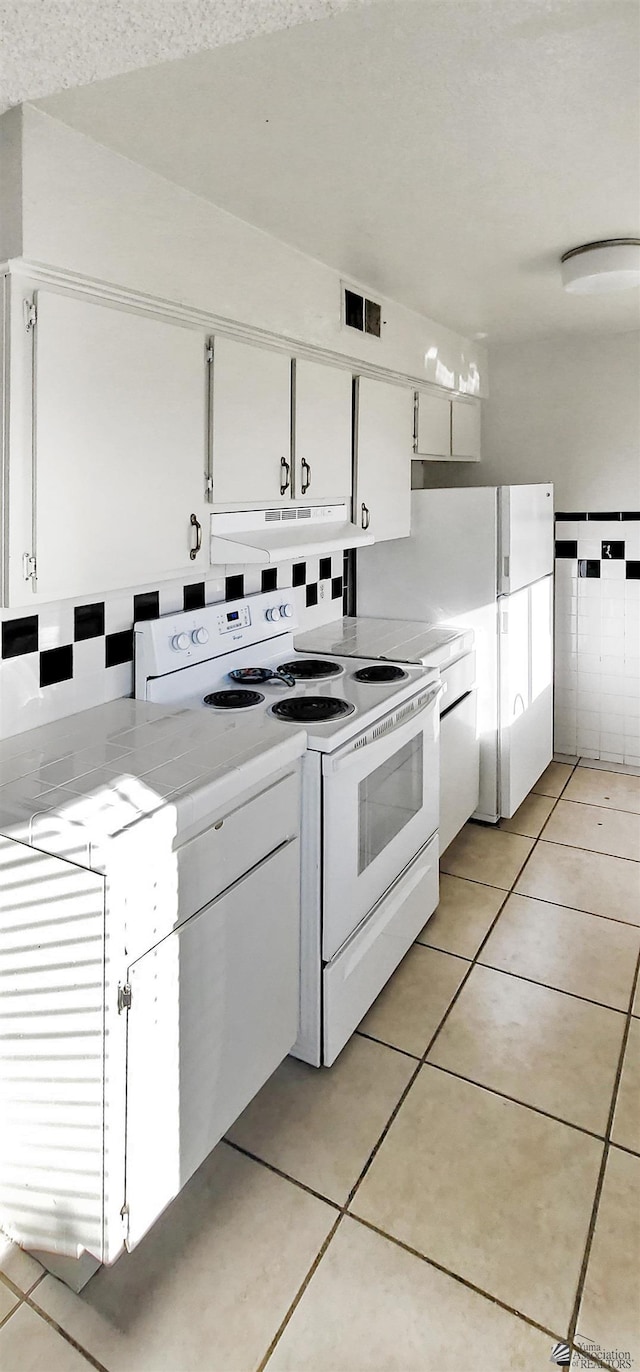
[(354, 752)]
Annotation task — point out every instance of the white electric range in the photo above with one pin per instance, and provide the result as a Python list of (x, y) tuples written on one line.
[(369, 877)]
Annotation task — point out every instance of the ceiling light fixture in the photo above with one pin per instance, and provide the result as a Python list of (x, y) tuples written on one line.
[(610, 265)]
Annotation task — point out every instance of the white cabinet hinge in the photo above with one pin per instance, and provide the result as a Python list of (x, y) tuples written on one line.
[(29, 567), (505, 567), (415, 421), (124, 997), (30, 315), (209, 485), (209, 353), (124, 1216)]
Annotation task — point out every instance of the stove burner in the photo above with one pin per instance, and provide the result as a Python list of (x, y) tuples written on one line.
[(311, 709), (385, 672), (311, 668), (233, 700)]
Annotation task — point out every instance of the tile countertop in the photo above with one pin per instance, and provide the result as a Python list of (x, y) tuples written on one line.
[(394, 640), (70, 787)]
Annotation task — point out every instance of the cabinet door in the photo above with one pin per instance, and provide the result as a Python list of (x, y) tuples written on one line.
[(251, 427), (119, 446), (465, 429), (323, 426), (433, 435), (383, 467), (214, 1010)]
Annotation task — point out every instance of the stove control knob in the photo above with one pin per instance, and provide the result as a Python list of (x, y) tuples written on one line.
[(200, 636), (273, 614), (180, 642), (286, 611)]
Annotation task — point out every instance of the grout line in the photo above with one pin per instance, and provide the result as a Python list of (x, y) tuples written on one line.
[(286, 1176), (603, 1166), (434, 949), (299, 1294), (609, 919), (533, 981), (14, 1310), (65, 1335), (372, 1038), (594, 805), (578, 848), (524, 1104), (455, 1276)]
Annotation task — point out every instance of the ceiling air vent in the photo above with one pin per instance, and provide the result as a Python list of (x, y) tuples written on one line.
[(360, 313)]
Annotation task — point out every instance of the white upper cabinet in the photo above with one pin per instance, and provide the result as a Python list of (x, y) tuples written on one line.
[(108, 466), (323, 428), (446, 427), (251, 425), (465, 430), (433, 425), (383, 458)]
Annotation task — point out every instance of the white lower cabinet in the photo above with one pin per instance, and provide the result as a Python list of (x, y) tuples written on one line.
[(383, 458), (459, 767), (120, 1073), (214, 1009)]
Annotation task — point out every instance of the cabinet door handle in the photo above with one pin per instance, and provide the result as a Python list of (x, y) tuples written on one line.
[(306, 476), (285, 476), (366, 516), (195, 524)]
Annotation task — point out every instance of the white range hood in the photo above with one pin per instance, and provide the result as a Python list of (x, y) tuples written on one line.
[(277, 535)]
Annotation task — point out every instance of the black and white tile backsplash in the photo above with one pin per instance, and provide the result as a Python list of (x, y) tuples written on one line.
[(597, 617), (67, 657)]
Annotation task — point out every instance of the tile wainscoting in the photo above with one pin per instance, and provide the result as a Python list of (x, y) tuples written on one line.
[(597, 635), (69, 656)]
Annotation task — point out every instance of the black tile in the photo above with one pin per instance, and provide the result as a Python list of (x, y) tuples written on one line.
[(146, 605), (633, 571), (336, 587), (608, 514), (193, 596), (56, 664), (88, 621), (299, 574), (20, 636), (118, 648), (630, 514), (566, 547), (325, 568), (589, 567), (612, 550), (234, 587), (570, 514), (312, 594), (270, 579)]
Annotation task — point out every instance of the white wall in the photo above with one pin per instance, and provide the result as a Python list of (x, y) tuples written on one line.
[(568, 411), (92, 211)]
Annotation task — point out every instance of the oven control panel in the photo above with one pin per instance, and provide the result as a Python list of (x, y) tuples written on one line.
[(237, 617)]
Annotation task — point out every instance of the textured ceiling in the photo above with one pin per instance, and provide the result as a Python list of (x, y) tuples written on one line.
[(52, 45), (445, 152)]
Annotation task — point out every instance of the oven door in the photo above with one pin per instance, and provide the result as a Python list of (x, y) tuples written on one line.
[(379, 806)]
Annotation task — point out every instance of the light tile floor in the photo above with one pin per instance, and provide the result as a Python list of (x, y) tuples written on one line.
[(460, 1191)]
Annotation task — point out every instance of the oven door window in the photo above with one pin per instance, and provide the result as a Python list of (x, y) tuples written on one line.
[(388, 799)]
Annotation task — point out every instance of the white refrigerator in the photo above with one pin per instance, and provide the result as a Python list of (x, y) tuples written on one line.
[(483, 556)]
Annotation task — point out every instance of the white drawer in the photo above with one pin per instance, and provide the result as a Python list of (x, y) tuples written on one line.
[(457, 680), (221, 854), (357, 974)]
